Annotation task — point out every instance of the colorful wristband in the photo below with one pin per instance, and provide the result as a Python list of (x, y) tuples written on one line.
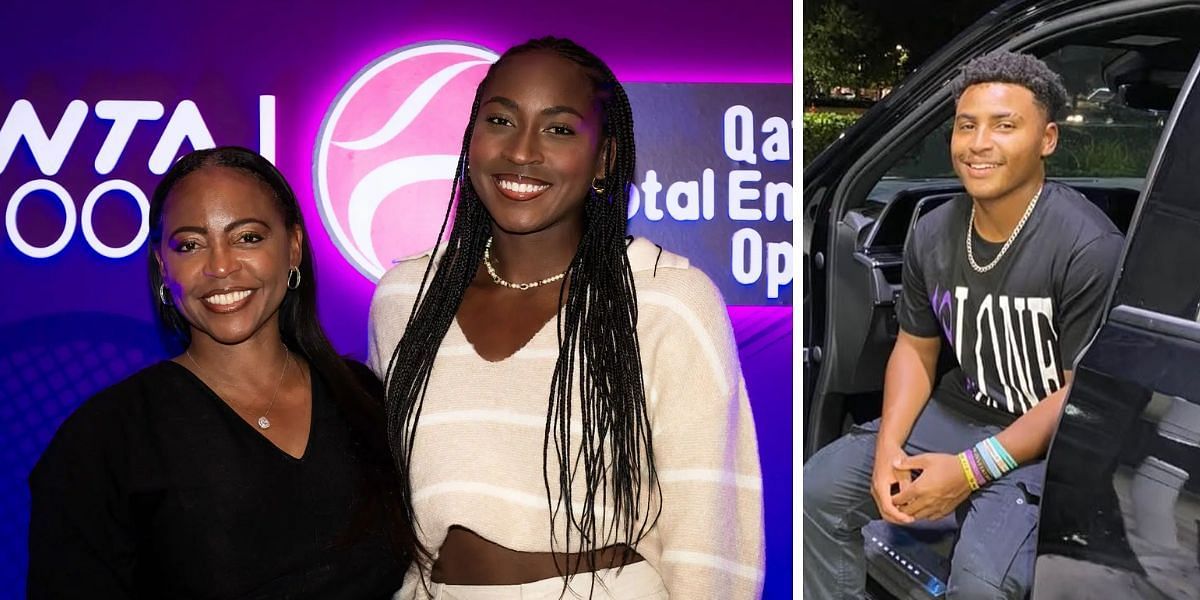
[(966, 467), (1004, 455), (984, 476), (986, 448), (981, 476), (988, 462)]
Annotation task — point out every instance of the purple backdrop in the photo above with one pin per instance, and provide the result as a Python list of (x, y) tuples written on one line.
[(76, 321)]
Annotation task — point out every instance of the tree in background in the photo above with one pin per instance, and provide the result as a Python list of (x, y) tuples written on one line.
[(853, 43), (836, 46), (845, 47)]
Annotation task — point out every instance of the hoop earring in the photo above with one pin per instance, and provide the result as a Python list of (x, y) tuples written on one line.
[(293, 283), (163, 294), (598, 186)]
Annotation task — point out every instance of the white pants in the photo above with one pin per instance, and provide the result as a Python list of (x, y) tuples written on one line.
[(638, 581)]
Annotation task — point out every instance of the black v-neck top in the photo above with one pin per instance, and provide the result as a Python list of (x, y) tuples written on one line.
[(155, 488)]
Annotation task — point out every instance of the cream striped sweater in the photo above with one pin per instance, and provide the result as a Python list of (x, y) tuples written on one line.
[(477, 458)]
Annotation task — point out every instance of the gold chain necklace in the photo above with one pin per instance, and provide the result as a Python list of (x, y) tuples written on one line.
[(487, 262), (1007, 243), (263, 422)]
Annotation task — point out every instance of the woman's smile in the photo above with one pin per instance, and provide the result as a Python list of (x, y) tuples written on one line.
[(226, 301), (518, 187)]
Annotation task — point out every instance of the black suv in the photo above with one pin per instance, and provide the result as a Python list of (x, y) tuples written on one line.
[(1120, 512)]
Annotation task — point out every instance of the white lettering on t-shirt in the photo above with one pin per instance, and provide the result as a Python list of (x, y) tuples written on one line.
[(1043, 311), (1016, 361), (1016, 365), (960, 294)]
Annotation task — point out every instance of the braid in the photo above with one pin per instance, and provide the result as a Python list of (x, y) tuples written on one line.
[(408, 370), (597, 337)]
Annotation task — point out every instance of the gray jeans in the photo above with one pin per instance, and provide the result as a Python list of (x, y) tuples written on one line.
[(995, 550)]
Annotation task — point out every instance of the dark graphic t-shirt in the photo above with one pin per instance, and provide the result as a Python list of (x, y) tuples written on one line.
[(1017, 327)]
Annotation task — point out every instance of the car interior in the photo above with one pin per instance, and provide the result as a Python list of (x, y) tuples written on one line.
[(1123, 74)]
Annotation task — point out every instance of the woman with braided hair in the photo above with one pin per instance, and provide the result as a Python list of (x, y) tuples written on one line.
[(567, 401)]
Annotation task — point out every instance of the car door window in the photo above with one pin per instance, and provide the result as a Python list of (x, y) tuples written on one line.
[(1099, 135), (1161, 270)]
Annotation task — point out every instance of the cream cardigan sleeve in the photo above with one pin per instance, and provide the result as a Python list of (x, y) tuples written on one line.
[(705, 449), (391, 305)]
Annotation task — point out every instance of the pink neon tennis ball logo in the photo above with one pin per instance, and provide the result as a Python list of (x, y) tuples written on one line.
[(387, 150)]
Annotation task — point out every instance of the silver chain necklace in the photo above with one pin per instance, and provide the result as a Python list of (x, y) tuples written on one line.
[(1007, 243), (487, 262), (263, 422)]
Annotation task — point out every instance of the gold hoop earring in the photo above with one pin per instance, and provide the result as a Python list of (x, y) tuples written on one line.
[(598, 186)]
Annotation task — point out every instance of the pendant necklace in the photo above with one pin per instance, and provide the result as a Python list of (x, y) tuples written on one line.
[(264, 423)]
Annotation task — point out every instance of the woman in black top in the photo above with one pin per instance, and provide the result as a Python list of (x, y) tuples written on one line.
[(253, 465)]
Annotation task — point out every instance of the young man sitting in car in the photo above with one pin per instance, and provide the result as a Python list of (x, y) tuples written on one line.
[(1012, 275)]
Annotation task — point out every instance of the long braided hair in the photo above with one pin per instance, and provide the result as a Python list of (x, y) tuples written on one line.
[(598, 345)]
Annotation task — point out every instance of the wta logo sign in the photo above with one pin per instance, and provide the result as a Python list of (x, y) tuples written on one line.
[(387, 150)]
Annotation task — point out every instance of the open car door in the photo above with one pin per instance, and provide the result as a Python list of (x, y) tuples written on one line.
[(1121, 506)]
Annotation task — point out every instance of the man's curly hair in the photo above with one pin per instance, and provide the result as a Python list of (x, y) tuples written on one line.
[(1025, 70)]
